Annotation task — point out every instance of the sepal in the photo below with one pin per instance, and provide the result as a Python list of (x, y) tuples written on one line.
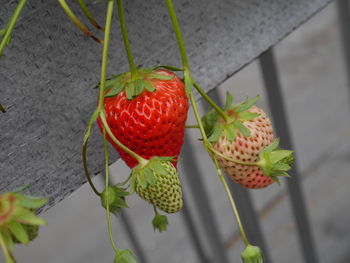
[(115, 198), (160, 222), (252, 254), (124, 256)]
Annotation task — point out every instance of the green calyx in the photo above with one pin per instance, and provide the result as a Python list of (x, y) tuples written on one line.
[(252, 254), (275, 162), (124, 256), (135, 84), (215, 126), (115, 198), (158, 183), (159, 222), (18, 220)]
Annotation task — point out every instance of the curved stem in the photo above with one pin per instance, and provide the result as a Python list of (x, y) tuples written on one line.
[(140, 160), (191, 126), (87, 13), (86, 170), (232, 202), (77, 22), (127, 45), (230, 159), (108, 214), (210, 101), (11, 24)]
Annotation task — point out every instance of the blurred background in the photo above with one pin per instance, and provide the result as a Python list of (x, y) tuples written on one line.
[(313, 79)]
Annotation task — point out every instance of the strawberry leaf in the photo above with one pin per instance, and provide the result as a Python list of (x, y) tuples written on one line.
[(115, 199), (114, 89), (247, 116), (246, 105), (27, 217), (130, 90), (157, 167), (30, 202), (230, 132), (161, 76), (243, 129), (18, 231), (148, 86), (149, 174), (160, 222), (8, 239), (138, 87), (209, 120), (229, 101), (167, 67), (217, 132), (124, 256)]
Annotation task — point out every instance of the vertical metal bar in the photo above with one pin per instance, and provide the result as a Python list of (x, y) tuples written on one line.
[(276, 102), (193, 233), (344, 22), (245, 205), (203, 204), (131, 233), (132, 236)]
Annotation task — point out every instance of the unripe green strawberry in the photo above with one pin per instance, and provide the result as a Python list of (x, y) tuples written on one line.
[(164, 189)]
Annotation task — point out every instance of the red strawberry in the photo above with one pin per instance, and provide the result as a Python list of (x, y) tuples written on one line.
[(147, 114), (244, 145)]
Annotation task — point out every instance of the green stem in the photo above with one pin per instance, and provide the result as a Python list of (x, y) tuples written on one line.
[(77, 22), (139, 159), (230, 159), (211, 102), (191, 126), (127, 45), (108, 214), (11, 24), (88, 15), (232, 202), (188, 80), (86, 170), (7, 254), (178, 34)]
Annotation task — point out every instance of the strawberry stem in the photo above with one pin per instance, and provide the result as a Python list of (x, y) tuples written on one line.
[(127, 45), (88, 15), (77, 22), (11, 24), (191, 126), (231, 159), (86, 170), (108, 214), (232, 202), (211, 102), (189, 83)]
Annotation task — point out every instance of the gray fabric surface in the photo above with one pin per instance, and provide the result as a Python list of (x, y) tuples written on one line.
[(47, 75)]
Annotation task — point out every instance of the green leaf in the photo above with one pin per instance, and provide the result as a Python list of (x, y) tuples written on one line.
[(278, 155), (149, 174), (138, 87), (8, 239), (149, 86), (30, 202), (160, 222), (217, 132), (161, 76), (280, 167), (243, 129), (27, 217), (165, 158), (2, 109), (209, 120), (247, 104), (115, 89), (272, 146), (157, 167), (252, 254), (142, 179), (130, 90), (18, 231), (168, 67), (229, 101), (115, 199), (124, 256), (247, 116), (230, 132)]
